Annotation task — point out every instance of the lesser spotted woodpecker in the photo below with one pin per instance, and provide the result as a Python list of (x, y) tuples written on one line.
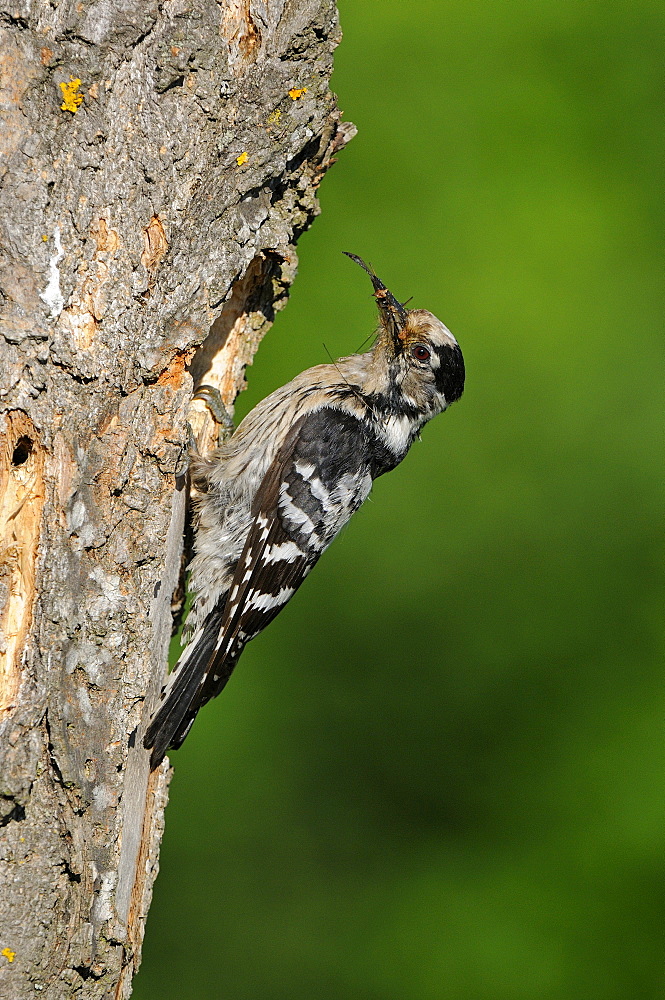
[(272, 498)]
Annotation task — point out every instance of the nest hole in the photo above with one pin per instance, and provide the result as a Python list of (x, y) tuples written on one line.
[(22, 451)]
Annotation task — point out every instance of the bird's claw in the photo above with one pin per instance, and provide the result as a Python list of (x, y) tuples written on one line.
[(212, 398)]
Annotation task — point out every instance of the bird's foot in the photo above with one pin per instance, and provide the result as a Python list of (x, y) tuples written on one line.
[(212, 398)]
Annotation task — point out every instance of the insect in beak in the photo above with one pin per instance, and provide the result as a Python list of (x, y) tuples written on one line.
[(392, 312)]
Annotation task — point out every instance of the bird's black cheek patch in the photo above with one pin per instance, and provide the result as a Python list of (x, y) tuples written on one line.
[(450, 374)]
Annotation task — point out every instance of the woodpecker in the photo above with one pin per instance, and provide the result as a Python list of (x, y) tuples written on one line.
[(271, 499)]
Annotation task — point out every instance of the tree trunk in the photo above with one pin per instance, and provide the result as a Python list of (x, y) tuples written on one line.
[(158, 161)]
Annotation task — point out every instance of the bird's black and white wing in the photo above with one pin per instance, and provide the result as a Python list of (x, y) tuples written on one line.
[(320, 476)]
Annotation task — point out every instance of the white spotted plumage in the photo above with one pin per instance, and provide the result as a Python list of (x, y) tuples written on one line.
[(286, 552), (274, 496), (265, 602)]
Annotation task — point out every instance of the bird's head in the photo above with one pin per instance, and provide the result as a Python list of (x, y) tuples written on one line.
[(416, 361)]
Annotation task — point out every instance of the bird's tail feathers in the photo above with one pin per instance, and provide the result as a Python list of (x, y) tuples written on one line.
[(182, 694)]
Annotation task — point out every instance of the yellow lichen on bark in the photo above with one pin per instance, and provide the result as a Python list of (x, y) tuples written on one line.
[(71, 99)]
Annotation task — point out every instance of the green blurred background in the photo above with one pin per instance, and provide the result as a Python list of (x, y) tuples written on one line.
[(439, 773)]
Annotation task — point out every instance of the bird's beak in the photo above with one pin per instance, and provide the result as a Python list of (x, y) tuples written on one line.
[(393, 314)]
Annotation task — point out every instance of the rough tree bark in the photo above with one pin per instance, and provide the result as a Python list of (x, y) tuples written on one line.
[(158, 161)]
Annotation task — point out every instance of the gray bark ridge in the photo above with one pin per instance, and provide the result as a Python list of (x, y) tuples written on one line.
[(158, 162)]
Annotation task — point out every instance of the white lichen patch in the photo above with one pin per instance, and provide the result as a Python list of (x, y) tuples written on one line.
[(103, 797), (109, 584), (102, 908), (77, 516), (85, 706), (52, 295)]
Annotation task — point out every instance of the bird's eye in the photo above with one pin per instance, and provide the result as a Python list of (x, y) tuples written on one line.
[(421, 353)]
